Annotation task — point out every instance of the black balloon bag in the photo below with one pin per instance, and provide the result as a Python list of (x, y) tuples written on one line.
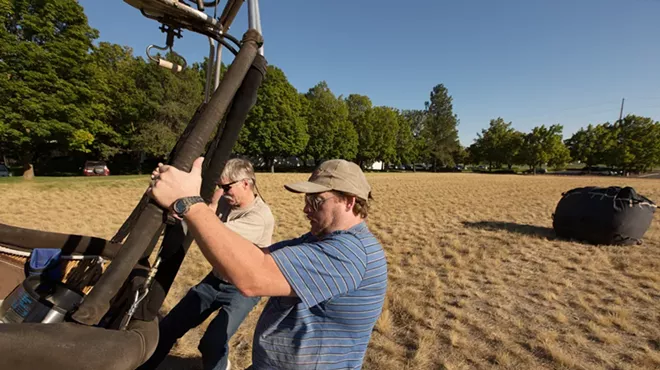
[(612, 215)]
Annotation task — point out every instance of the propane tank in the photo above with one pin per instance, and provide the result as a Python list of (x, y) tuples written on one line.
[(35, 300)]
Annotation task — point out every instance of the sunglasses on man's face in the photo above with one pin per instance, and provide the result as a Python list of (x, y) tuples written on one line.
[(227, 187)]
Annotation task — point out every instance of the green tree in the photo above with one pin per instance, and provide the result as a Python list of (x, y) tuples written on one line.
[(594, 145), (417, 121), (360, 114), (460, 155), (474, 154), (346, 141), (276, 126), (331, 134), (637, 144), (583, 146), (405, 141), (171, 101), (544, 146), (559, 155), (511, 147), (46, 90), (440, 131), (606, 143), (498, 144), (376, 128), (116, 75), (385, 121)]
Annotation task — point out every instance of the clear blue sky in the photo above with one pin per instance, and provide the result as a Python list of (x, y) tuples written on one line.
[(531, 62)]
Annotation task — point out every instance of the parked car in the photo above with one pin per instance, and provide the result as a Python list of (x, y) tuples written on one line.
[(422, 166), (96, 168), (538, 171), (4, 171)]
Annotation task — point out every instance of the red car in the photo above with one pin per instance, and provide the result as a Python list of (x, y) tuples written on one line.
[(96, 168)]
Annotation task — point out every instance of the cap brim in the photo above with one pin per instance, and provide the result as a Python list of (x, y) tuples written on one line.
[(306, 187)]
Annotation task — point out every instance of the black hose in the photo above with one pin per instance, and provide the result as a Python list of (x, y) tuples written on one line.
[(129, 223), (176, 243), (208, 4), (228, 46), (28, 239), (64, 346), (244, 101), (97, 302), (232, 39)]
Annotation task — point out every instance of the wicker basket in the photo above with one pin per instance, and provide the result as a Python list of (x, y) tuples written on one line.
[(74, 271)]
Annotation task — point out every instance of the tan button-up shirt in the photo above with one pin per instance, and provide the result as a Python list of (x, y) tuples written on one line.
[(254, 222)]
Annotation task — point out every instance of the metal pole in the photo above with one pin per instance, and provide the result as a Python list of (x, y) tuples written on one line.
[(258, 11), (620, 122), (252, 14), (254, 19), (209, 71), (218, 65)]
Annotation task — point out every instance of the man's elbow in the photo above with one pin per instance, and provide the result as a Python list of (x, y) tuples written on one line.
[(250, 293), (250, 289), (266, 288)]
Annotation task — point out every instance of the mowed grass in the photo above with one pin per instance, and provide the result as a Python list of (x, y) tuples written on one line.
[(476, 278)]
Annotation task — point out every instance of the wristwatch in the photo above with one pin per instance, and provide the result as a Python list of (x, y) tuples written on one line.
[(182, 205)]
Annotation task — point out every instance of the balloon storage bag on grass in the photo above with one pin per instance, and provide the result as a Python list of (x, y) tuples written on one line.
[(597, 215)]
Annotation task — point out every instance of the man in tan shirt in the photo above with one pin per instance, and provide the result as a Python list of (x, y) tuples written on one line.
[(242, 210)]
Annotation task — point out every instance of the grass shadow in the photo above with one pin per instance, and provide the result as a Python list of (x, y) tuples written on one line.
[(512, 227), (172, 362)]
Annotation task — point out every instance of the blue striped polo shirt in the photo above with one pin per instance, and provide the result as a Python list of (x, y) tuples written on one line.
[(340, 281)]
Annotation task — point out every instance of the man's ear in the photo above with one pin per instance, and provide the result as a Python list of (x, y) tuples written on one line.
[(350, 203)]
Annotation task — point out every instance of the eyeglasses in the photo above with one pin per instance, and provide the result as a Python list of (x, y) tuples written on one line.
[(315, 202), (227, 187)]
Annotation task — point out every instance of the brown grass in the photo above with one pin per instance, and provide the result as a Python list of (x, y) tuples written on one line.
[(477, 279)]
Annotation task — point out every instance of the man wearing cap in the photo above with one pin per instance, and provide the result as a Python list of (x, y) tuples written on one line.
[(327, 287), (244, 212)]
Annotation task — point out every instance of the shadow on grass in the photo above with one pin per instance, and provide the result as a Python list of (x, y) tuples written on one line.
[(512, 227), (172, 362)]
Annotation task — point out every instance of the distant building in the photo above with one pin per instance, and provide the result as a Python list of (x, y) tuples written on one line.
[(377, 166)]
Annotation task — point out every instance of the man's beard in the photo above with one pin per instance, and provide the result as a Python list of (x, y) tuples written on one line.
[(316, 229)]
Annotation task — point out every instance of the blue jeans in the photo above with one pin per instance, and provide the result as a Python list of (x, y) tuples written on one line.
[(210, 295)]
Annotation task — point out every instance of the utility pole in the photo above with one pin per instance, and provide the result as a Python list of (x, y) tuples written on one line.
[(625, 172)]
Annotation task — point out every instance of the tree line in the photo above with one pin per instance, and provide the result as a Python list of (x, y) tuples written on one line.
[(631, 145), (62, 95)]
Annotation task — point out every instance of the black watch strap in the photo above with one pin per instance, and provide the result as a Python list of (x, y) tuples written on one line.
[(182, 205)]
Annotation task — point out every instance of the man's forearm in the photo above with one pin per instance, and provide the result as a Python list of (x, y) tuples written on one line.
[(233, 256)]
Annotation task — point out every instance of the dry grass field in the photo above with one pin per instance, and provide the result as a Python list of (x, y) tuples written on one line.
[(476, 278)]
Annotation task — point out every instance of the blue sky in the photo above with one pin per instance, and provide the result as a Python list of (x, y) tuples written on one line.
[(530, 62)]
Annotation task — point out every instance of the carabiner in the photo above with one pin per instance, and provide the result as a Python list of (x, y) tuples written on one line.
[(164, 62)]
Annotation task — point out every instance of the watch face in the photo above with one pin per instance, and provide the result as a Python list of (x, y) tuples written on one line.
[(179, 207)]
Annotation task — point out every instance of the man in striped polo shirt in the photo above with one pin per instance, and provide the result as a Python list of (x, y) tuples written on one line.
[(327, 287)]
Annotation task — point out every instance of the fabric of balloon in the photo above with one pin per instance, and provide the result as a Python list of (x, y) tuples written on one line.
[(609, 216)]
